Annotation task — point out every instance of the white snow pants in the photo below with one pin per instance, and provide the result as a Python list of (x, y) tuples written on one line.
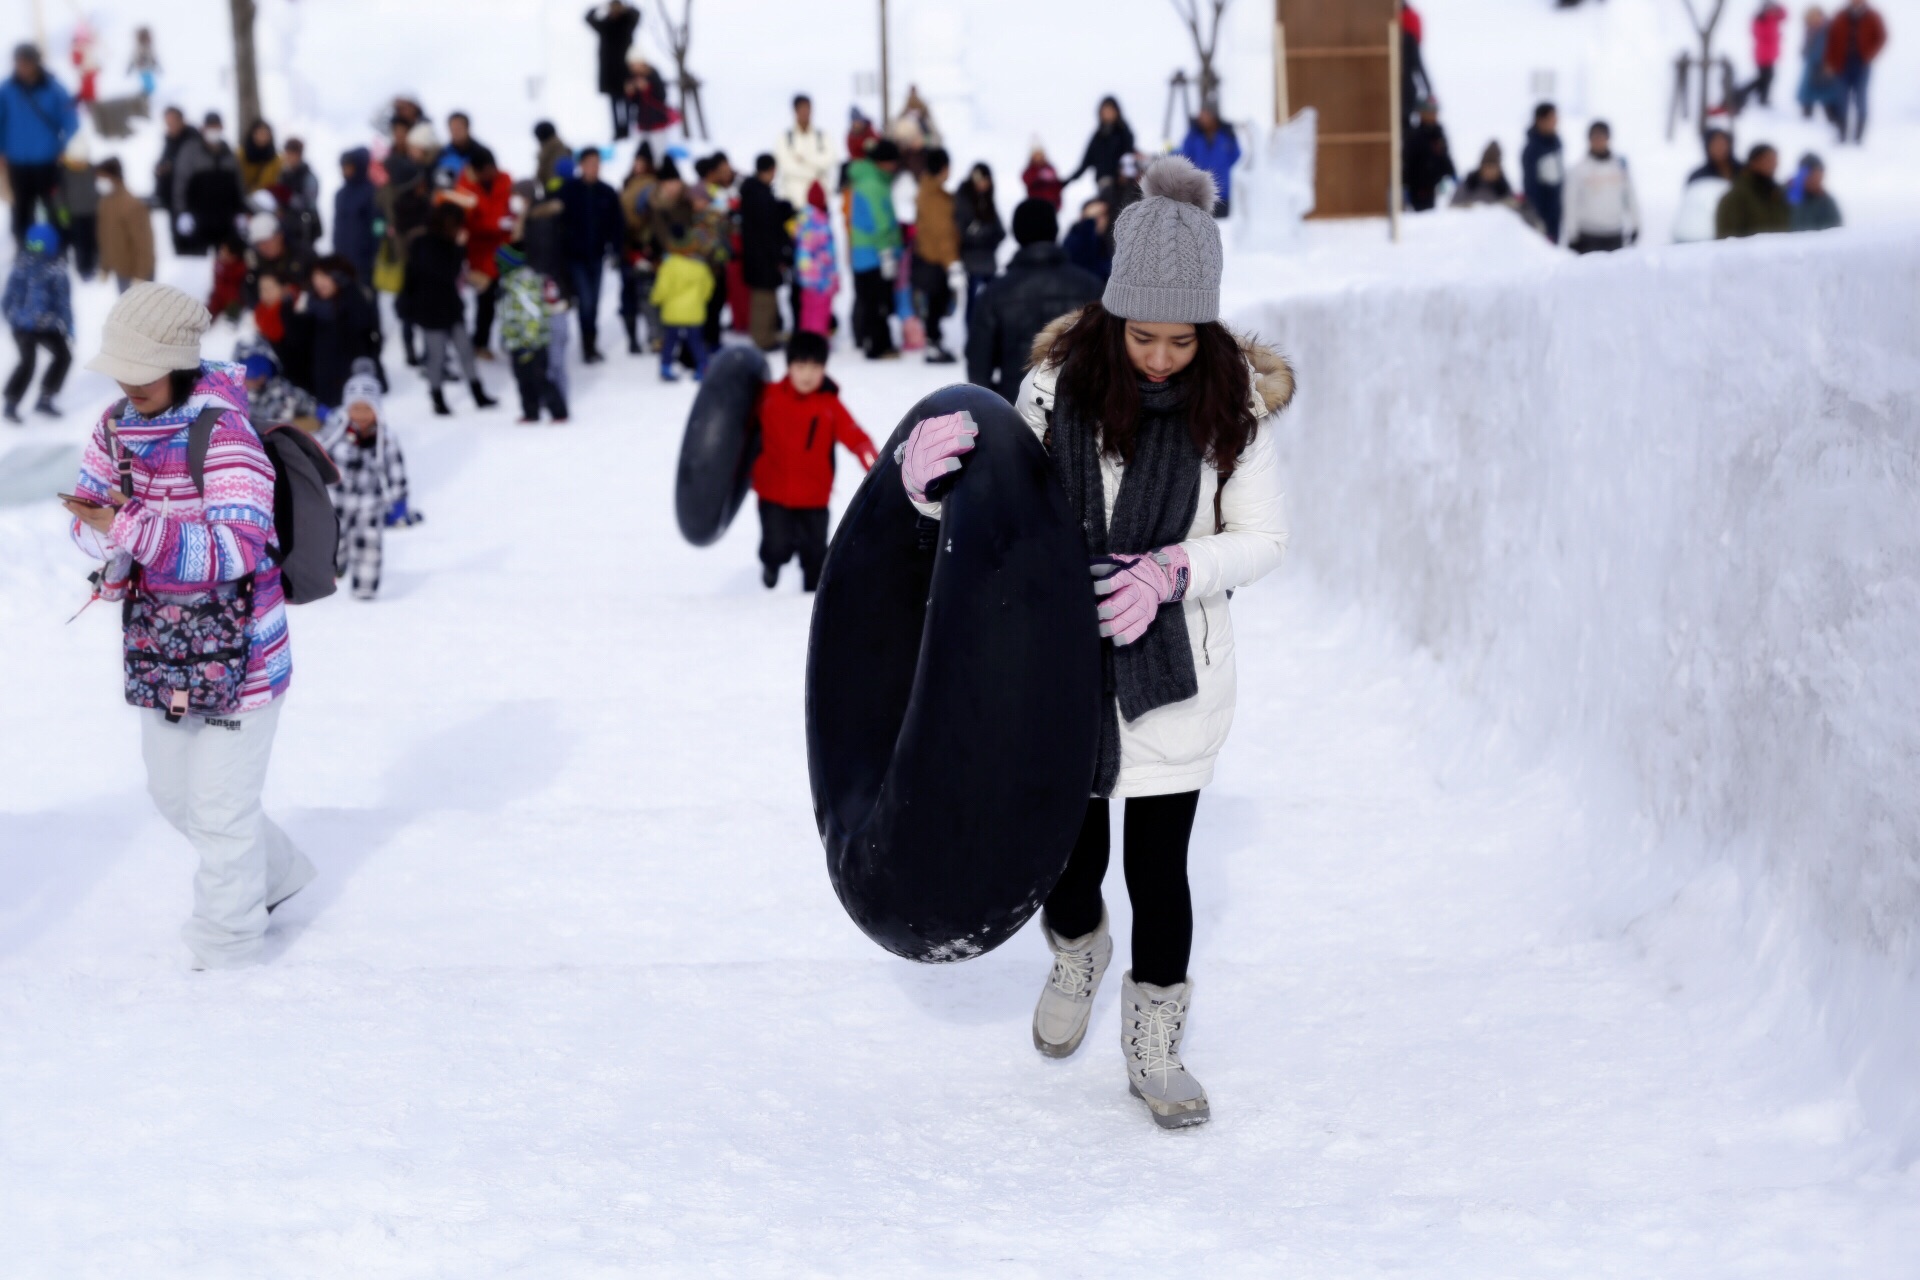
[(205, 775)]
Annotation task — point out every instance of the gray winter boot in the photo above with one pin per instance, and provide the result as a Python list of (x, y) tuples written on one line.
[(1152, 1022), (1066, 1002)]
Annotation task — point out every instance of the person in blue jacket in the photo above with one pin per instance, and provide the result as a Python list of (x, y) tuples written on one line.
[(38, 306), (356, 235), (1212, 145), (37, 120), (1543, 170)]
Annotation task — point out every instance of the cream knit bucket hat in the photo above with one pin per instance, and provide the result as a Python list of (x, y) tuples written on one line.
[(152, 330)]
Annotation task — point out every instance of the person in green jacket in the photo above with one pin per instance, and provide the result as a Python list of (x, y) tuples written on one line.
[(1814, 208), (1755, 204), (876, 242), (526, 331)]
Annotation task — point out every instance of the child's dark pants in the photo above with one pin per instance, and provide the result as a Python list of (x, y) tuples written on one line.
[(536, 389), (786, 532)]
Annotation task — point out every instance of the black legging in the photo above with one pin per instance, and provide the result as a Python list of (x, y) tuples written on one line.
[(1157, 829)]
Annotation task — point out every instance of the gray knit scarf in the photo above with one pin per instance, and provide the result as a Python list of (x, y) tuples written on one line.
[(1159, 494)]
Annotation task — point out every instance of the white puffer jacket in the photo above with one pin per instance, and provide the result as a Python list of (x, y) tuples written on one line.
[(1173, 748)]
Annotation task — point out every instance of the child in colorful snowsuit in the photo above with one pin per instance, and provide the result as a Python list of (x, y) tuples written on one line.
[(39, 309), (526, 332), (801, 419), (681, 291), (373, 479), (814, 265)]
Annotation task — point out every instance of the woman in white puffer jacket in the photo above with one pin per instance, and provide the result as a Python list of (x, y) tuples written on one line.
[(1150, 411)]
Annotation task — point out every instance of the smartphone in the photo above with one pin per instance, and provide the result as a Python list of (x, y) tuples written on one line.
[(79, 501)]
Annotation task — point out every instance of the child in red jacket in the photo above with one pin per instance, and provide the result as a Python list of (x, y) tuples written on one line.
[(801, 419)]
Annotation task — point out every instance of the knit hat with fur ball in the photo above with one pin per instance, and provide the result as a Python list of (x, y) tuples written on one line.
[(1166, 249), (152, 330)]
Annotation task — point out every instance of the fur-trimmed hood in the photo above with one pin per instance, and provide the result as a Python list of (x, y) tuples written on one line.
[(1272, 375)]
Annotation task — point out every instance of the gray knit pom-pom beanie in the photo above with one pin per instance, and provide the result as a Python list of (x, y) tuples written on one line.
[(1166, 249)]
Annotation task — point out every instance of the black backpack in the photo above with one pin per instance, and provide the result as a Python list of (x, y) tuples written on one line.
[(304, 521)]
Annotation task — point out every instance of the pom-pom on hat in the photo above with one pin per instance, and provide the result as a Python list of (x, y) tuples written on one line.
[(152, 330), (1166, 249)]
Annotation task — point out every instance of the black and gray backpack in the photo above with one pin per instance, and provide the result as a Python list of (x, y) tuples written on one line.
[(304, 521)]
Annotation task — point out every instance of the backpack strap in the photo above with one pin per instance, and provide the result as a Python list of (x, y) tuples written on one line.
[(121, 461), (199, 436)]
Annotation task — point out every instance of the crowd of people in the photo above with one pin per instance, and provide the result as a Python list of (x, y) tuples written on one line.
[(1590, 205), (1107, 341)]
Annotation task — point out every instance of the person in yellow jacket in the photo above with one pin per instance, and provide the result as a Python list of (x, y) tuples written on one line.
[(681, 292)]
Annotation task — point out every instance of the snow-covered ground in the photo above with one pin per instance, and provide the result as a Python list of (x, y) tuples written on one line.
[(573, 995)]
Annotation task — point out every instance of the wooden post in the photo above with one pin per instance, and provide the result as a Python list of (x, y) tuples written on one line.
[(246, 71), (1399, 125), (1280, 111), (886, 86)]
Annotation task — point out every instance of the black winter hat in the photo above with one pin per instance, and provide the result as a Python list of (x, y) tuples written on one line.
[(883, 151), (1035, 222)]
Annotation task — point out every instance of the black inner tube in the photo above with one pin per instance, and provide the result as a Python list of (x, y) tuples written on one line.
[(719, 447), (953, 694)]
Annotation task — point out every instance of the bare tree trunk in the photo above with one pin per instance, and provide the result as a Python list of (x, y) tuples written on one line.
[(1205, 43), (246, 70), (1704, 28)]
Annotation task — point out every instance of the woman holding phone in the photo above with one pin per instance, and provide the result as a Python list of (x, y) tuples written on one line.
[(190, 558), (1151, 414)]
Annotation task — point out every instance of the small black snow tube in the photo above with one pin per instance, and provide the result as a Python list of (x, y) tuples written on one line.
[(953, 694), (717, 452)]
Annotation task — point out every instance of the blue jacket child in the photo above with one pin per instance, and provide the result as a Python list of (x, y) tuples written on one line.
[(38, 306)]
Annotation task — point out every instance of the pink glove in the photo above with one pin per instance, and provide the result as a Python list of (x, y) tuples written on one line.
[(1135, 587), (933, 450)]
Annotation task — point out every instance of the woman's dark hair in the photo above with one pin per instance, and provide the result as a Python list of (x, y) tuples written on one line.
[(1099, 380), (447, 220), (180, 385)]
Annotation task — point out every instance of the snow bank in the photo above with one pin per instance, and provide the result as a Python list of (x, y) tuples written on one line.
[(1657, 512)]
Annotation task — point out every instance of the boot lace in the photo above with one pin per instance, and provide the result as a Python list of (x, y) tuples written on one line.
[(1156, 1038), (1073, 973)]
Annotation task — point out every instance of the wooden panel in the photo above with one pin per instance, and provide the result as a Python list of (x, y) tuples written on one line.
[(1352, 180), (1350, 93), (1339, 62), (1320, 23)]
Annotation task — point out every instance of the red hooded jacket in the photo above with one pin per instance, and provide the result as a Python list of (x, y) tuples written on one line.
[(489, 220), (797, 435)]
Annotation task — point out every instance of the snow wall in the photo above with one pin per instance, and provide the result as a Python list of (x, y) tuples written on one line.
[(1659, 513)]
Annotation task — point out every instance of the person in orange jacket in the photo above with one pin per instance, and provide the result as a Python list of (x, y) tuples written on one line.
[(801, 419), (486, 193)]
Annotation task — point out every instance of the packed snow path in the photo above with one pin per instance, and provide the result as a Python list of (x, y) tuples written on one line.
[(573, 996)]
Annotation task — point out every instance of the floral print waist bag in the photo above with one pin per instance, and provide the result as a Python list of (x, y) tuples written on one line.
[(186, 654)]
